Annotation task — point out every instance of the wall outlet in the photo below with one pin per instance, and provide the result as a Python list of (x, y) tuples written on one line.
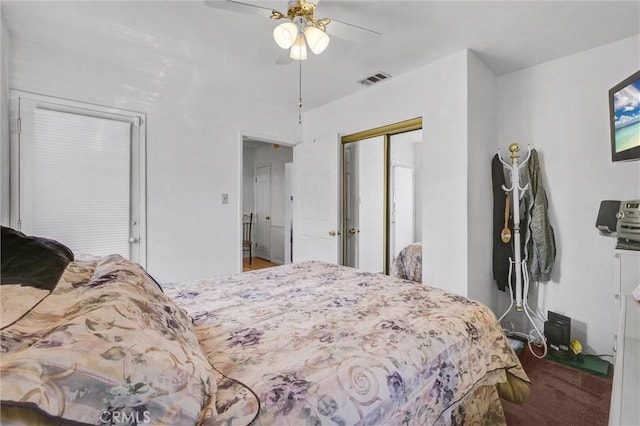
[(225, 198)]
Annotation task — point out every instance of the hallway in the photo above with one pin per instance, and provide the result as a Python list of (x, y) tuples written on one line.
[(256, 263)]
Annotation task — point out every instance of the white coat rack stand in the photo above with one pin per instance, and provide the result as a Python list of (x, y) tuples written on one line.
[(518, 265)]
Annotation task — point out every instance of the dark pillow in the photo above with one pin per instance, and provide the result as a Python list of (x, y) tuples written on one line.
[(33, 261)]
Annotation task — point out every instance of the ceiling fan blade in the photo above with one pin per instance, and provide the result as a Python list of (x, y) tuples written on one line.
[(238, 6), (351, 32), (284, 58), (369, 30), (340, 28)]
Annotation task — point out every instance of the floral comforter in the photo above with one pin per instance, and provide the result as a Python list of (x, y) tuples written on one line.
[(106, 347), (317, 343)]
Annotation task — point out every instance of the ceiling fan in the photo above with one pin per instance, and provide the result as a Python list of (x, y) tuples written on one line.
[(301, 29)]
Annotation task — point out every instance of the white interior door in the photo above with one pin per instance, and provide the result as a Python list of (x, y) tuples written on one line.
[(371, 208), (76, 177), (316, 194), (263, 212)]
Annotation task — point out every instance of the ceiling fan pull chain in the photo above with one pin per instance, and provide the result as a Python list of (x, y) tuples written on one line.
[(300, 92)]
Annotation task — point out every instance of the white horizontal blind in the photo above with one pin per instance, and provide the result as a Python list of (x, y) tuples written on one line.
[(78, 189)]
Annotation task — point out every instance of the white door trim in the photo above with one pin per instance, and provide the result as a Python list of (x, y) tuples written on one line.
[(288, 211)]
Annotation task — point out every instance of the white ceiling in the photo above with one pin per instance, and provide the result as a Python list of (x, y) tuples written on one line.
[(167, 42)]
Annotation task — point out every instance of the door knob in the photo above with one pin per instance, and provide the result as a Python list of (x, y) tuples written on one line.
[(353, 231), (267, 218), (332, 233), (133, 239)]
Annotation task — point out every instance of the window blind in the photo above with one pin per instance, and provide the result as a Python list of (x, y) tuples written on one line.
[(78, 188)]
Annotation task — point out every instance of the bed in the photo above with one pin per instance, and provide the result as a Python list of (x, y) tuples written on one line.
[(305, 343)]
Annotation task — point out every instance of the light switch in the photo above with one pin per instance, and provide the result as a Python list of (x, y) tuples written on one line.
[(225, 198)]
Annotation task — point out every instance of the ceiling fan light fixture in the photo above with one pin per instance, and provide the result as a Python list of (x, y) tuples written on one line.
[(299, 49), (317, 39), (285, 34)]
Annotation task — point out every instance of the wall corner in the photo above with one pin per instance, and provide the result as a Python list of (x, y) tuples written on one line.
[(4, 121), (481, 146)]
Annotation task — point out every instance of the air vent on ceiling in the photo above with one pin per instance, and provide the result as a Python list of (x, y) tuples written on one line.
[(375, 78)]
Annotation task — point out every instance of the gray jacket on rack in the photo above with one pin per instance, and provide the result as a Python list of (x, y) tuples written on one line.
[(540, 244)]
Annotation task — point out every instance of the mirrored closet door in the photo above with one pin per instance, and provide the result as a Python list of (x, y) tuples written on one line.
[(405, 196), (381, 195)]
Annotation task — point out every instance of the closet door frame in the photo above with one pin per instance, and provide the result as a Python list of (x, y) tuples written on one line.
[(386, 131)]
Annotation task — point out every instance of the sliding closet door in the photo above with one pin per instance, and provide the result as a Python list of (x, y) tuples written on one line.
[(370, 221), (405, 155), (381, 170), (402, 206), (77, 178)]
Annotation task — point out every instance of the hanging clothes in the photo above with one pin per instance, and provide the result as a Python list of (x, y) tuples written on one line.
[(501, 251), (540, 245)]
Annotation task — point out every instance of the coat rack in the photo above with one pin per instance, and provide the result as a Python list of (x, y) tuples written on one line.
[(518, 265)]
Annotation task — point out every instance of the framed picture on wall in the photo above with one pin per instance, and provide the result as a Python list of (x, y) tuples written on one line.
[(624, 119)]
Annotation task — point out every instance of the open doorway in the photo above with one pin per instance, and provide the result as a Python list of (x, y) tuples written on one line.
[(267, 198)]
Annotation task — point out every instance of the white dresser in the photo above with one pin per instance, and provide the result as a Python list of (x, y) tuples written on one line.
[(625, 395), (626, 276)]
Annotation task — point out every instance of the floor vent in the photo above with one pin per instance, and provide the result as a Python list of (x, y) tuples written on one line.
[(375, 78)]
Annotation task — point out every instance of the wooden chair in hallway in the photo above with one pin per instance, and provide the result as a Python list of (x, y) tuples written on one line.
[(247, 220)]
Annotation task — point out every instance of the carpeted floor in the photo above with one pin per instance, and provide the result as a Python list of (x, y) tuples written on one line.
[(560, 395)]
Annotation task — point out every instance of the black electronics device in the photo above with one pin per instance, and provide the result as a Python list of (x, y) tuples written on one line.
[(607, 220), (620, 220), (557, 330)]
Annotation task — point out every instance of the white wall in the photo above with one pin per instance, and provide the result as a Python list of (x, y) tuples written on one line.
[(560, 108), (482, 121), (419, 200), (4, 121), (438, 94), (193, 149), (445, 231)]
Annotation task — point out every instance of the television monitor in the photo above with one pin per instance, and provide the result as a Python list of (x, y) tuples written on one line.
[(624, 119)]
